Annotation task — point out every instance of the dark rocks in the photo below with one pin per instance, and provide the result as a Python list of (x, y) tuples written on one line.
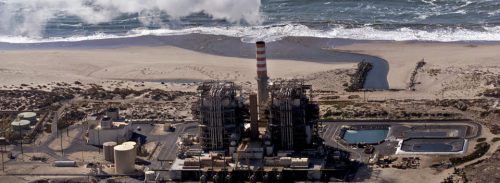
[(494, 92), (412, 83), (359, 78), (461, 105)]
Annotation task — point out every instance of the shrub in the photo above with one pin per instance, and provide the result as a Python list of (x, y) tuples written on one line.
[(479, 151)]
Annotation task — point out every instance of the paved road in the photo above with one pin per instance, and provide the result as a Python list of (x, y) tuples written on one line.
[(77, 145), (169, 148), (329, 137)]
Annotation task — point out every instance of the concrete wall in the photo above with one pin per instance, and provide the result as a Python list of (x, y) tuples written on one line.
[(99, 136)]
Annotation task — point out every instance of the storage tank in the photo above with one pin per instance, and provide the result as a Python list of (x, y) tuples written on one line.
[(124, 156), (132, 143), (65, 163), (108, 151), (30, 116), (149, 176), (20, 125)]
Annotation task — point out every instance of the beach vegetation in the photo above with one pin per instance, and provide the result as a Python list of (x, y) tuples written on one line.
[(479, 150)]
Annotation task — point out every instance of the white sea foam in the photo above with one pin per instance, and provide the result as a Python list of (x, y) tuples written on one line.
[(277, 32), (30, 17)]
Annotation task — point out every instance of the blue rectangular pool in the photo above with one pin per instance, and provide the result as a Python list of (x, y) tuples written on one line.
[(365, 136)]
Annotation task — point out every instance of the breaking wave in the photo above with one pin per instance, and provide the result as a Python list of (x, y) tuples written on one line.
[(277, 32)]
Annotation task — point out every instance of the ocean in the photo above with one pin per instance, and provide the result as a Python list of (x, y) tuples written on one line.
[(35, 21)]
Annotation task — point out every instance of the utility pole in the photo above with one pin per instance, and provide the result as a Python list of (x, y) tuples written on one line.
[(364, 95), (62, 151), (21, 137), (3, 149), (98, 139), (3, 162), (83, 142)]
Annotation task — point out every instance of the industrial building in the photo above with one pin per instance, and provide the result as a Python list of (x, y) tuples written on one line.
[(221, 115), (292, 116), (108, 129), (271, 136)]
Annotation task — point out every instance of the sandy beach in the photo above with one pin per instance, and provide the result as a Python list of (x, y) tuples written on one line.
[(142, 64), (324, 63), (403, 56)]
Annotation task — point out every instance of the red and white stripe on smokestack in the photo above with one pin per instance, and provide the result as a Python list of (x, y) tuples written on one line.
[(261, 59)]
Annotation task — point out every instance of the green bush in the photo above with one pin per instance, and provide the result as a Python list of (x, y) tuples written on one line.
[(479, 151), (495, 139), (481, 139)]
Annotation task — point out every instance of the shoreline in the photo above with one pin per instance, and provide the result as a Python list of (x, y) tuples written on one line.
[(177, 40), (291, 49), (196, 57)]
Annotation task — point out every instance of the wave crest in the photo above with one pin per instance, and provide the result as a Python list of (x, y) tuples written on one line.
[(276, 32)]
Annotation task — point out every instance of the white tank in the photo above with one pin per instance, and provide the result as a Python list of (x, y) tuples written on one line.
[(109, 151), (131, 143), (124, 156), (149, 176), (65, 163), (30, 116), (20, 125)]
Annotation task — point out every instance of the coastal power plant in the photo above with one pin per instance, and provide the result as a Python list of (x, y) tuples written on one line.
[(284, 108), (266, 129), (255, 137), (249, 91)]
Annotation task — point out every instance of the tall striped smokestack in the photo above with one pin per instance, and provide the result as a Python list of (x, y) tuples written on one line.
[(261, 71), (261, 59)]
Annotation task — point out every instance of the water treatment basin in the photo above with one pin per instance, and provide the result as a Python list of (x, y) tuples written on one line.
[(364, 136), (433, 145)]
